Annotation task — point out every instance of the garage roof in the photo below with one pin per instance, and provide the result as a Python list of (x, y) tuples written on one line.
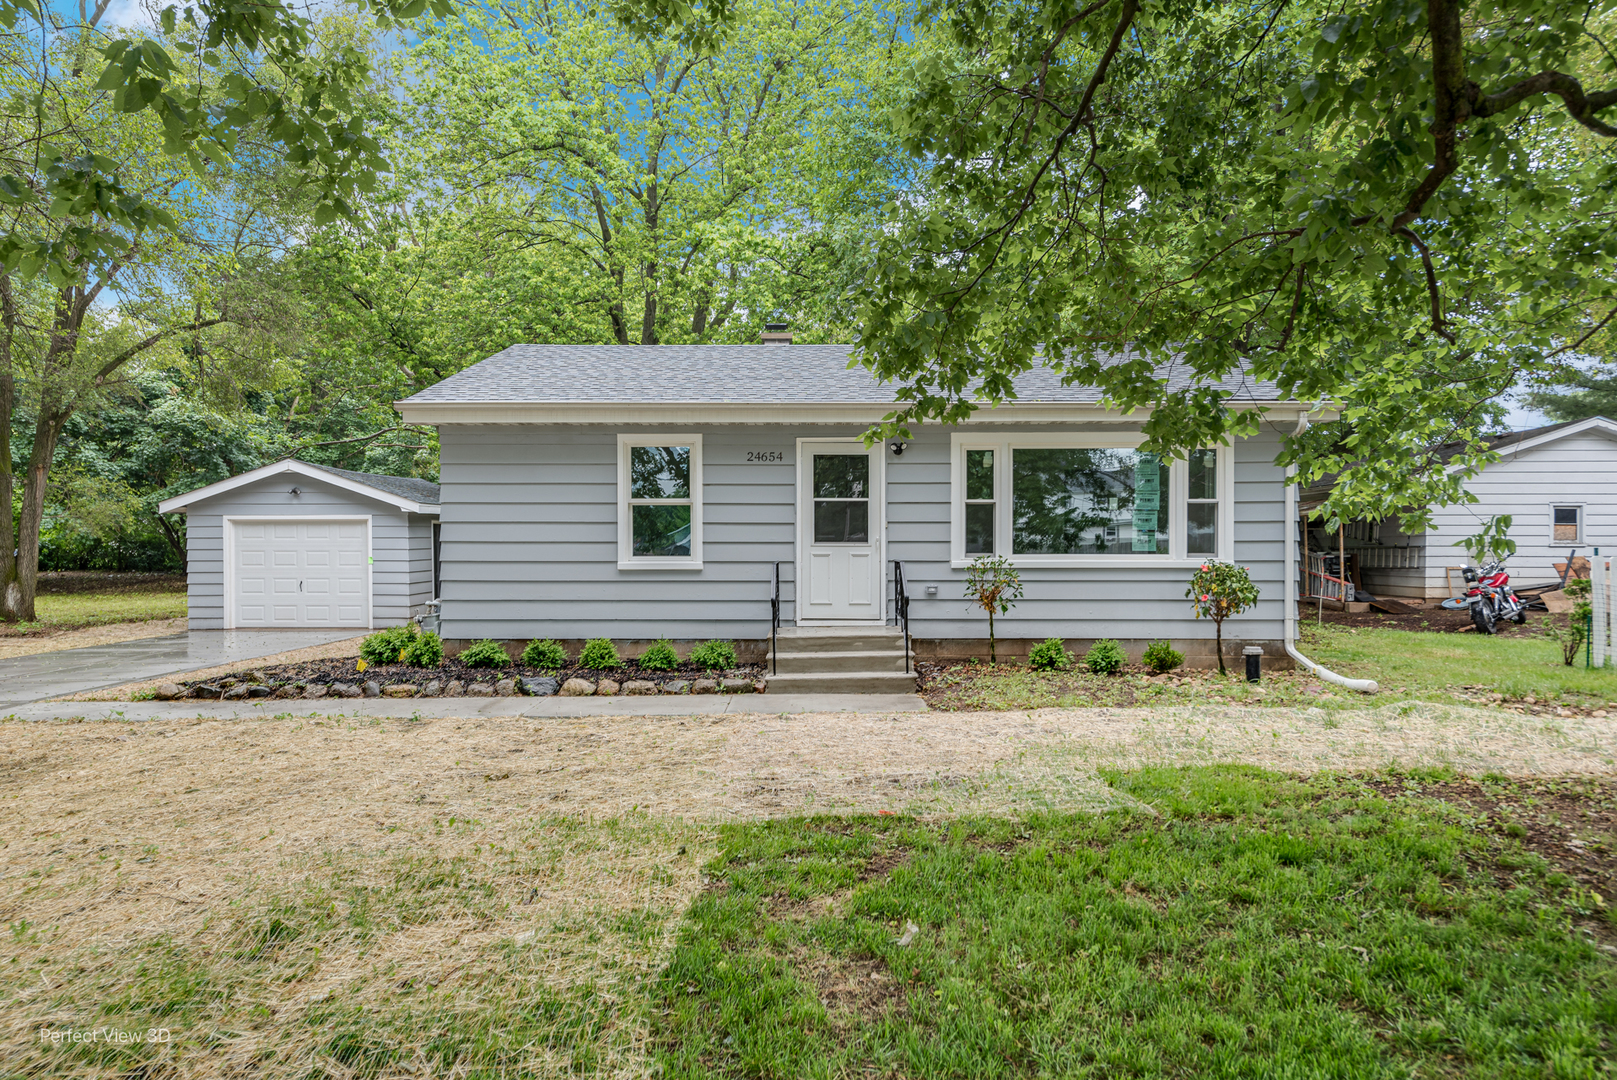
[(407, 493)]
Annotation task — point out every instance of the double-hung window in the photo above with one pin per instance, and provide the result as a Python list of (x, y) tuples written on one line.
[(659, 502), (1075, 500)]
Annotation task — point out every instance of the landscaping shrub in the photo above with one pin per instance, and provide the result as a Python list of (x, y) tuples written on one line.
[(485, 653), (714, 655), (1162, 658), (387, 646), (544, 653), (599, 653), (1050, 655), (660, 657), (1219, 590), (427, 650), (993, 584), (1105, 657)]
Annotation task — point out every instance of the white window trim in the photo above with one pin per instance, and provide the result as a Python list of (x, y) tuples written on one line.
[(1583, 523), (626, 557), (1004, 445)]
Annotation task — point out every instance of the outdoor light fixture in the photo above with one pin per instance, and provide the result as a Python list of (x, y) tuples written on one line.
[(897, 448), (296, 492)]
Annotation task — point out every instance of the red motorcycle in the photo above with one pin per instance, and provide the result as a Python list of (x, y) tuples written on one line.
[(1489, 596)]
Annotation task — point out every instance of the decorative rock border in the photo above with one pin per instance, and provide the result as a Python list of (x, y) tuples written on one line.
[(257, 687)]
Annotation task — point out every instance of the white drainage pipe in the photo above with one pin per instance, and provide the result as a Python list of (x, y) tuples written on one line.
[(1364, 686)]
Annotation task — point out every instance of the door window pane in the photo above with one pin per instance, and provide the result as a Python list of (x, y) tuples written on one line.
[(979, 474), (841, 521), (660, 472), (1088, 501), (1201, 528), (661, 530), (841, 476), (979, 528), (1203, 474)]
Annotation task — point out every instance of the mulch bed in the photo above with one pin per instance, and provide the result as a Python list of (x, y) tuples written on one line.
[(289, 680), (1571, 824), (1433, 619)]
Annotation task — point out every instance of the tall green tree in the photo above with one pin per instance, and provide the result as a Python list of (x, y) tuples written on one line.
[(1397, 209), (686, 192)]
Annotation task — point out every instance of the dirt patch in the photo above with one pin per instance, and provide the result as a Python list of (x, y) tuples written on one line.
[(860, 988), (1435, 619), (44, 640), (884, 863), (1571, 824)]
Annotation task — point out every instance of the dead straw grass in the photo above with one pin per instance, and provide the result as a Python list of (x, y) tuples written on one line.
[(343, 897)]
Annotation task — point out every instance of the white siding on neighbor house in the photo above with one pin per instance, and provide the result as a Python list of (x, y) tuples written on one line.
[(529, 543), (1575, 469), (401, 545)]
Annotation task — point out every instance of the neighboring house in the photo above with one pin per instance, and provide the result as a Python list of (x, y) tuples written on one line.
[(639, 492), (300, 545), (1557, 483)]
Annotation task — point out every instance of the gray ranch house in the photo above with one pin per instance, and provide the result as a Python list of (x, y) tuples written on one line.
[(645, 492)]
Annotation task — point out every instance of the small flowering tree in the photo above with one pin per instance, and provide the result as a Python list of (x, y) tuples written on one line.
[(993, 584), (1217, 591)]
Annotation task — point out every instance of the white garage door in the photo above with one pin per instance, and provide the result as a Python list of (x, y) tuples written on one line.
[(301, 573)]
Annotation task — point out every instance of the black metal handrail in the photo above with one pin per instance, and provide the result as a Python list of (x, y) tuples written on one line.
[(901, 608), (774, 626)]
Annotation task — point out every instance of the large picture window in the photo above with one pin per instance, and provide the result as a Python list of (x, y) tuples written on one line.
[(659, 502), (1073, 500)]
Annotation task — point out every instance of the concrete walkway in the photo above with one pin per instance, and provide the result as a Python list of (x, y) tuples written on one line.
[(25, 679), (525, 708)]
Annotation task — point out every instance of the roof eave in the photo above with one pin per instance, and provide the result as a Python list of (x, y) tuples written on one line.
[(749, 412)]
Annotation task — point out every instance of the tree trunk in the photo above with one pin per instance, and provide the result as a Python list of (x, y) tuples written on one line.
[(174, 542), (1218, 642), (8, 401), (17, 602), (992, 659)]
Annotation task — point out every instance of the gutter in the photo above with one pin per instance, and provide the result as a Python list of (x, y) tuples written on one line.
[(1364, 686)]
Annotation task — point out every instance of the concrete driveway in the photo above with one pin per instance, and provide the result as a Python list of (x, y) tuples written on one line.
[(25, 679)]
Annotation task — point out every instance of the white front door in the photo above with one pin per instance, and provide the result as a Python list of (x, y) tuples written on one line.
[(300, 573), (839, 518)]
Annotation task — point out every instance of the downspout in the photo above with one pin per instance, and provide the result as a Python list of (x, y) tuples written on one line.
[(1366, 686)]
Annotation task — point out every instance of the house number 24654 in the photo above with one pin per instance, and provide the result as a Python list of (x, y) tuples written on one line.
[(766, 455)]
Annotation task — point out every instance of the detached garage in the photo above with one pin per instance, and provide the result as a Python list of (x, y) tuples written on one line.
[(300, 545)]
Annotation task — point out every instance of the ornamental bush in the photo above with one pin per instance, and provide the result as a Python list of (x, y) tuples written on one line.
[(993, 584), (485, 653), (1162, 658), (1050, 655), (599, 654), (1217, 591), (387, 646), (427, 650), (1105, 657), (714, 655), (544, 653), (660, 657)]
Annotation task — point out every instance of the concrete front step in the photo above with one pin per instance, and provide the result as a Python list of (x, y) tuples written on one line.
[(805, 639), (857, 682), (810, 663)]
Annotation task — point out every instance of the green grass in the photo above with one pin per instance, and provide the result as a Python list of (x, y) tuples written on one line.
[(1419, 662), (1252, 925), (72, 611), (1420, 665)]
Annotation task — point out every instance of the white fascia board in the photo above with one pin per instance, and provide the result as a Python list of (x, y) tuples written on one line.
[(1598, 424), (181, 503), (593, 412)]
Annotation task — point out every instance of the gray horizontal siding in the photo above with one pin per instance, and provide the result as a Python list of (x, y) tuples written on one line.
[(401, 545), (529, 545)]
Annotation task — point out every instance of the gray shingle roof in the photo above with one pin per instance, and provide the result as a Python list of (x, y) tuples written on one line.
[(709, 374), (405, 487)]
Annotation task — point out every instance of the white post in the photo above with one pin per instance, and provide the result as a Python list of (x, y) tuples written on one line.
[(1600, 601)]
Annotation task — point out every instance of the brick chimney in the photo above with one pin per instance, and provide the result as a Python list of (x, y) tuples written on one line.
[(776, 333)]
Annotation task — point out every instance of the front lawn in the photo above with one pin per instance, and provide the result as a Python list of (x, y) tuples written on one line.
[(1236, 923), (141, 598), (1517, 670)]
